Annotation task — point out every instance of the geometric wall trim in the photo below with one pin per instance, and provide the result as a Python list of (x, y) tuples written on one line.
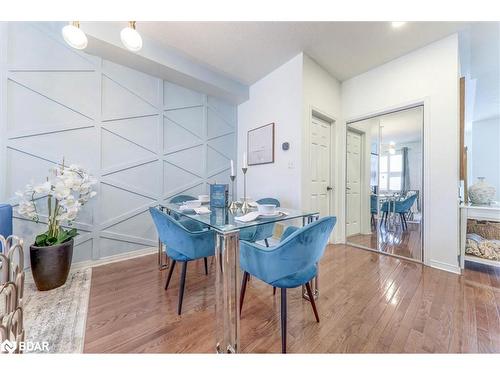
[(191, 119), (217, 125), (144, 139), (175, 96)]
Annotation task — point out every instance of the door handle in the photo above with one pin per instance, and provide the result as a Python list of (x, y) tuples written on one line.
[(348, 188), (328, 188)]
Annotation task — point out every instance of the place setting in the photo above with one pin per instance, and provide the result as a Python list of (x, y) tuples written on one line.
[(196, 206), (263, 211)]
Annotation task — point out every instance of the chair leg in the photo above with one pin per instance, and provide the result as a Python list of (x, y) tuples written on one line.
[(181, 287), (267, 243), (283, 320), (170, 271), (243, 289), (206, 265), (311, 299)]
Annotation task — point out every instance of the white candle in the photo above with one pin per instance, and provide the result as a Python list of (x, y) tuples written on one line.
[(245, 165), (232, 168)]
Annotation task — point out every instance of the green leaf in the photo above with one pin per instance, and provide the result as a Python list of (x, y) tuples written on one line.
[(41, 239), (62, 236), (51, 241), (72, 232)]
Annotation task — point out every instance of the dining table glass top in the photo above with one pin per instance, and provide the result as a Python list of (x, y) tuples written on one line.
[(223, 220)]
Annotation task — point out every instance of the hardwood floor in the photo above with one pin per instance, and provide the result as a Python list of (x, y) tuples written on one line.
[(406, 243), (368, 303)]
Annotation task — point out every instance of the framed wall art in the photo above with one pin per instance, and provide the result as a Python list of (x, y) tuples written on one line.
[(260, 145)]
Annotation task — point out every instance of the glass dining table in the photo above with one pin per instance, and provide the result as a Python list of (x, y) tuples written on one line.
[(227, 258)]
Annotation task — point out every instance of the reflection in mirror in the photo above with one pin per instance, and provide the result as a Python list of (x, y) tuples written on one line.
[(361, 184), (384, 183)]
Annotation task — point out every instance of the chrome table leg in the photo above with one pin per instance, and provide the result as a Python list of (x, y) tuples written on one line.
[(314, 281), (227, 288), (161, 265)]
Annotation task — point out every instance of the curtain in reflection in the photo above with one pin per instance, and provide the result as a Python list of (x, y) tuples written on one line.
[(405, 184)]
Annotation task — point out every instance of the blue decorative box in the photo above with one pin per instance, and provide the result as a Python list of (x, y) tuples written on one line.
[(219, 195)]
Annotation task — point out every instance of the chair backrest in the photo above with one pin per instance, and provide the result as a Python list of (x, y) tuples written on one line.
[(182, 198), (299, 251), (5, 220), (174, 235), (309, 242), (269, 201), (405, 205)]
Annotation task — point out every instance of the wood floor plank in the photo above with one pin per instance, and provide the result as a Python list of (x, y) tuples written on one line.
[(368, 303)]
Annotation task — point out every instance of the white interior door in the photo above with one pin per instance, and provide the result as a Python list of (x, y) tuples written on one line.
[(353, 184), (320, 163)]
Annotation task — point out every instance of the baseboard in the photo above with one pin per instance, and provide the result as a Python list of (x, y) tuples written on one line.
[(445, 267), (100, 262), (114, 258)]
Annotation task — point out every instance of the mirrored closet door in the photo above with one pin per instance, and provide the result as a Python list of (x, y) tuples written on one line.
[(384, 174)]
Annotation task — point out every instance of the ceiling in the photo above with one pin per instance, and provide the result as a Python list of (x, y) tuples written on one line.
[(402, 126), (399, 127), (247, 51)]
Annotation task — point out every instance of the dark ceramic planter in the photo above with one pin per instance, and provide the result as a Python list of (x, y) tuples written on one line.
[(50, 264)]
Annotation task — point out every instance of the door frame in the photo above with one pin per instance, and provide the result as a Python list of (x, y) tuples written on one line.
[(425, 102), (313, 111)]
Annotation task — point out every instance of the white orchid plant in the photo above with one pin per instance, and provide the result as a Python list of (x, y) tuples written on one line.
[(67, 190)]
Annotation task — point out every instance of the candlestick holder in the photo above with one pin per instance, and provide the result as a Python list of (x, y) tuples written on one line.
[(245, 207), (233, 207)]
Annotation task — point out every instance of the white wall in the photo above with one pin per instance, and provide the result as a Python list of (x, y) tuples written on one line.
[(428, 75), (321, 95), (287, 96), (275, 98), (144, 139), (485, 153)]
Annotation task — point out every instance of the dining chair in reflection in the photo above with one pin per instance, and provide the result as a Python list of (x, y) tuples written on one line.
[(290, 264), (185, 240), (373, 209), (401, 208), (263, 231)]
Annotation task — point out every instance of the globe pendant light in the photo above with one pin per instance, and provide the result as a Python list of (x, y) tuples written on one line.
[(74, 36), (131, 38)]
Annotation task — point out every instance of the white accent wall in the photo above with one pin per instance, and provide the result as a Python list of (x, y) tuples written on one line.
[(275, 98), (429, 75), (287, 97), (144, 139), (322, 94)]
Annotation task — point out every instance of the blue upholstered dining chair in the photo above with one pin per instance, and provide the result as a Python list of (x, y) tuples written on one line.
[(263, 231), (5, 220), (402, 208), (291, 263), (185, 240), (181, 199)]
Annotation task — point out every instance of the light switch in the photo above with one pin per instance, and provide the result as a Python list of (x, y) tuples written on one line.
[(291, 164)]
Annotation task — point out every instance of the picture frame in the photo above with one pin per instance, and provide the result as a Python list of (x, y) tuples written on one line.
[(260, 145)]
